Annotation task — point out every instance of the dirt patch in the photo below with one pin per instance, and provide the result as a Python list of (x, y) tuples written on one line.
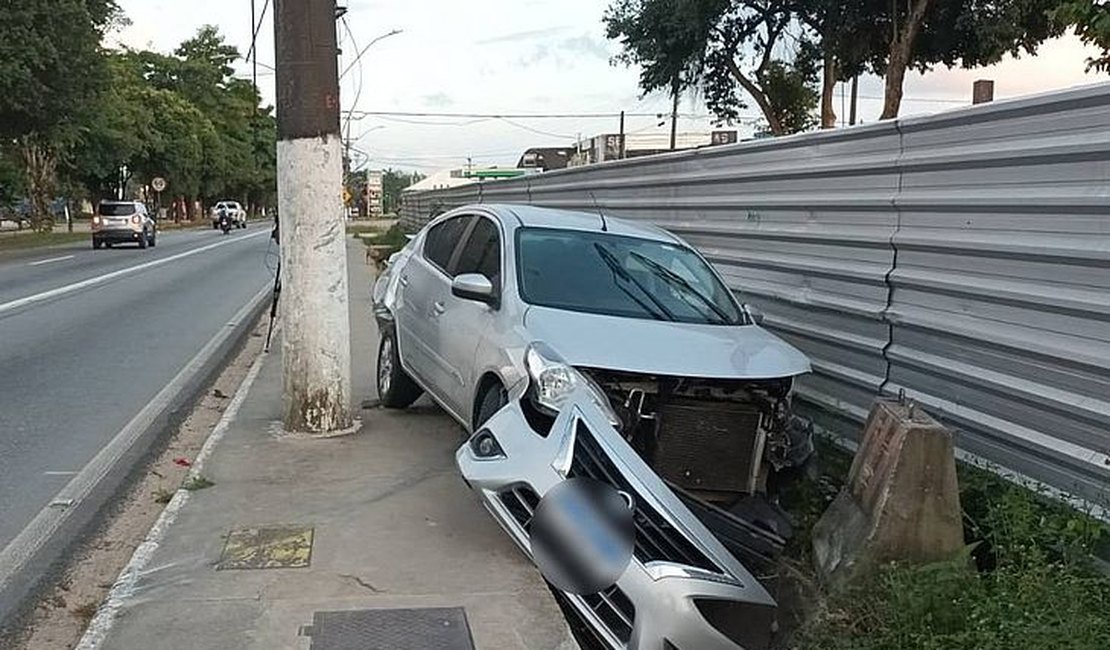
[(64, 610)]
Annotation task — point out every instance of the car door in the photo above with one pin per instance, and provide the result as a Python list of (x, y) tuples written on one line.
[(425, 285), (462, 323)]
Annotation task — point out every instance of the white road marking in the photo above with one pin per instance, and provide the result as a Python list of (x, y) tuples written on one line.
[(101, 279), (128, 579), (51, 260), (20, 550), (59, 473)]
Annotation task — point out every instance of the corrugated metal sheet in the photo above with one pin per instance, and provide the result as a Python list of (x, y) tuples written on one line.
[(963, 258)]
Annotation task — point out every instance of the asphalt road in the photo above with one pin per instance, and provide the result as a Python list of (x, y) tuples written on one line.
[(88, 337)]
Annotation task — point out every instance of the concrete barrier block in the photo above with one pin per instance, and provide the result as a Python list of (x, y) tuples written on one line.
[(901, 502)]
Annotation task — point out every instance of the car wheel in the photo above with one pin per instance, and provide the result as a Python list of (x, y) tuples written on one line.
[(396, 389), (492, 400), (143, 240)]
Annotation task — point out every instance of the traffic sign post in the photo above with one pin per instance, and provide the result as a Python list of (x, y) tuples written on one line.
[(158, 184)]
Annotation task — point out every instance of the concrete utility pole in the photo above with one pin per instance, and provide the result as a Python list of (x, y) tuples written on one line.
[(316, 345)]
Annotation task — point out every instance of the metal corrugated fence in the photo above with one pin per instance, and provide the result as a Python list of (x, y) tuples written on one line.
[(963, 258)]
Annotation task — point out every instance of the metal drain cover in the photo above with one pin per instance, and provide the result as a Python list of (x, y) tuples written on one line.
[(435, 628)]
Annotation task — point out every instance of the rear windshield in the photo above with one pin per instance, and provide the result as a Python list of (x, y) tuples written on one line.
[(116, 209)]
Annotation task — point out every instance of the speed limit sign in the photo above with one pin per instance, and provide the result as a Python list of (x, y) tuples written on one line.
[(158, 184)]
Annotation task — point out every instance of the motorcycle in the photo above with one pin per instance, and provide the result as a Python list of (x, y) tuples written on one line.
[(225, 222)]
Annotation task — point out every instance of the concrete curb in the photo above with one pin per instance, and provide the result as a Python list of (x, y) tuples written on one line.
[(36, 553)]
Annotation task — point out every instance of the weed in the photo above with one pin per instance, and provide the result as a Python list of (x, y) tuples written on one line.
[(162, 495), (86, 612), (197, 482), (1025, 581)]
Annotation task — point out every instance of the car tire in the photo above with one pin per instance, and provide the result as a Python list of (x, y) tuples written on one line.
[(396, 389), (492, 400)]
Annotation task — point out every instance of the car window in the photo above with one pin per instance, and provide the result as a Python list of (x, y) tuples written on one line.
[(441, 240), (482, 252), (116, 209), (602, 273)]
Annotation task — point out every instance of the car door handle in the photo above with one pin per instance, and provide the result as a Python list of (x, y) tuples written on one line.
[(438, 308)]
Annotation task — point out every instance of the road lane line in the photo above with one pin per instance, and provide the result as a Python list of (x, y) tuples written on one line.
[(59, 473), (51, 260), (101, 279), (20, 554)]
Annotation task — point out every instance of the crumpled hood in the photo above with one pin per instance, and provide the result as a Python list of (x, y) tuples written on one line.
[(665, 348)]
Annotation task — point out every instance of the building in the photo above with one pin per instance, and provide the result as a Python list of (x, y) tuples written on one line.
[(546, 158), (440, 180), (609, 146)]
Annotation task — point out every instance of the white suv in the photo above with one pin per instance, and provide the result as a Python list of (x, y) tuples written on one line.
[(235, 211)]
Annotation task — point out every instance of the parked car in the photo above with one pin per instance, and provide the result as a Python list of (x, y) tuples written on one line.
[(118, 222), (575, 344), (234, 209)]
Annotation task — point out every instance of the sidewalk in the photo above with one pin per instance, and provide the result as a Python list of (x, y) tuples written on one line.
[(378, 520)]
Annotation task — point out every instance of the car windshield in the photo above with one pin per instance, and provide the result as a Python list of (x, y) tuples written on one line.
[(116, 209), (602, 273)]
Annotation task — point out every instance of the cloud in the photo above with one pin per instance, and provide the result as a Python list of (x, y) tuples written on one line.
[(527, 35), (586, 45), (566, 52), (438, 100)]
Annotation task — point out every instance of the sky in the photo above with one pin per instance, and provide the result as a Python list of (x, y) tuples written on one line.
[(525, 56)]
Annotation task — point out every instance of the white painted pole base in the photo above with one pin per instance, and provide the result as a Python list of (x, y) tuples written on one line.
[(316, 343)]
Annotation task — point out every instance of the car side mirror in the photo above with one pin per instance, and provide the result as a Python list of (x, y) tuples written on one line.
[(474, 286), (755, 313)]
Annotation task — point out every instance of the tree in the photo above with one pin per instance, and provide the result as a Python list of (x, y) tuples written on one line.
[(393, 182), (1091, 21), (725, 47), (967, 33), (50, 65)]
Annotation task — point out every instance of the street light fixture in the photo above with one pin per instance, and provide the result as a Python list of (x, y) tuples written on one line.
[(363, 51)]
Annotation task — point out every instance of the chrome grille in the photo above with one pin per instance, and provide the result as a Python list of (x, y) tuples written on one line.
[(656, 539), (615, 610)]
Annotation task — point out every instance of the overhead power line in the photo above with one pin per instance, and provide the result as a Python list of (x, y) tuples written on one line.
[(522, 116)]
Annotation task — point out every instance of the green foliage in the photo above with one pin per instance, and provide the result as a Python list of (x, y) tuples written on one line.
[(393, 182), (1025, 582), (1091, 21), (182, 117)]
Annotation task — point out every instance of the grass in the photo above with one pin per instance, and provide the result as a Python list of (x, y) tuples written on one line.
[(394, 238), (197, 482), (22, 241), (1026, 580)]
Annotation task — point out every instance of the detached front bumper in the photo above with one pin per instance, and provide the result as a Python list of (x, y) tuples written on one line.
[(680, 575)]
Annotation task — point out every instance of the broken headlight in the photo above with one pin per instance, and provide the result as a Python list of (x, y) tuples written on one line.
[(554, 381)]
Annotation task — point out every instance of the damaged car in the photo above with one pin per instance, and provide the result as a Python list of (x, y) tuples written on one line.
[(573, 344)]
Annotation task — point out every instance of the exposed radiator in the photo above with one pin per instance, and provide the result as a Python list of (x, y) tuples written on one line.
[(709, 446)]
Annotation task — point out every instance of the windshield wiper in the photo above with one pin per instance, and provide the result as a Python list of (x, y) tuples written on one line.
[(660, 312), (677, 280)]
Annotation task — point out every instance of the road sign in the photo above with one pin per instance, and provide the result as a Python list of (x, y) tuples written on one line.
[(158, 184)]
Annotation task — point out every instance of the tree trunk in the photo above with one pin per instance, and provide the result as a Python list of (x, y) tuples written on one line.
[(759, 96), (39, 163), (901, 45), (828, 87)]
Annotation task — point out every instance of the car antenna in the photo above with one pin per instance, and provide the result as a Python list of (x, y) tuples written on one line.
[(600, 213)]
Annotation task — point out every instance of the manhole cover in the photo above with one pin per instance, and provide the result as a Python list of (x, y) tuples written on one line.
[(276, 547), (436, 628)]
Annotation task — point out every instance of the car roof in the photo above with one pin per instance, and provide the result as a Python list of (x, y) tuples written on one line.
[(530, 216)]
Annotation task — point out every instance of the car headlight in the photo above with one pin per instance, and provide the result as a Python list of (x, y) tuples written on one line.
[(554, 381)]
